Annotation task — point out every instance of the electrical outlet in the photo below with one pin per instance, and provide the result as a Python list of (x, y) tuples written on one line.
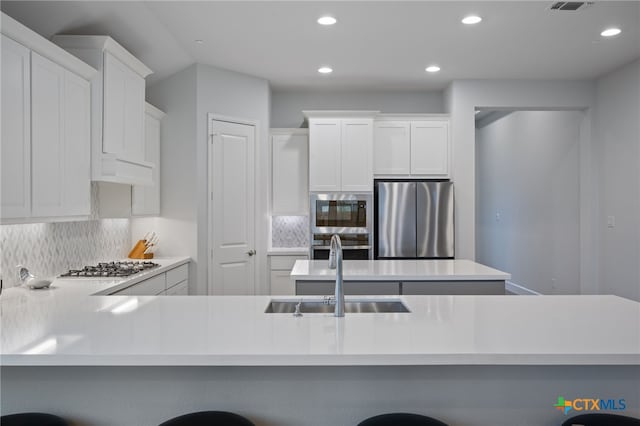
[(498, 217), (611, 221)]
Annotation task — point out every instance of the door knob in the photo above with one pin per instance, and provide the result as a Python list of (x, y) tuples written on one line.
[(251, 252)]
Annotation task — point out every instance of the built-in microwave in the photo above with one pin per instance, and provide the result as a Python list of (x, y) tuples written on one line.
[(341, 213)]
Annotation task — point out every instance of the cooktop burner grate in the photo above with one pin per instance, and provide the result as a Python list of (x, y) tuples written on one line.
[(110, 269)]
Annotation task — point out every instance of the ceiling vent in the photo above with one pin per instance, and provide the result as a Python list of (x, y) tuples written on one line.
[(570, 6)]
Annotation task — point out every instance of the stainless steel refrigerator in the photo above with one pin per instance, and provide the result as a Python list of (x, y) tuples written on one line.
[(413, 219)]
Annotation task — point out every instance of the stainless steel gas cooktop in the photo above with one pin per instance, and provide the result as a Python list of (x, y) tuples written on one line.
[(110, 269)]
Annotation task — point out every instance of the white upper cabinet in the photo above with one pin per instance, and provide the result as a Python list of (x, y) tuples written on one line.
[(15, 147), (324, 154), (415, 147), (289, 172), (340, 150), (145, 200), (392, 148), (357, 155), (46, 133), (430, 148), (118, 109)]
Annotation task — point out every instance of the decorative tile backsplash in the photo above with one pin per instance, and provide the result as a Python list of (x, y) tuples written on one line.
[(289, 231), (49, 249)]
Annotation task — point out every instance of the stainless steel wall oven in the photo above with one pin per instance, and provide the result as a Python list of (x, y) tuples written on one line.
[(349, 215)]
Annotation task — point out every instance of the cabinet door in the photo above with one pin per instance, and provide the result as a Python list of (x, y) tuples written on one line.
[(47, 137), (77, 143), (391, 148), (357, 155), (115, 75), (134, 116), (430, 148), (146, 199), (290, 174), (15, 146), (324, 155)]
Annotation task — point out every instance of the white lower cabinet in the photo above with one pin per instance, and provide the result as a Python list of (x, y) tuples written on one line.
[(149, 287), (280, 274), (181, 289), (174, 282)]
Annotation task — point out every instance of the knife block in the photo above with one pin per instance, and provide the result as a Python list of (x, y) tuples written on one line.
[(137, 252)]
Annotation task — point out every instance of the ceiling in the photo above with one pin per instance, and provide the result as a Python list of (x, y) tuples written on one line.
[(381, 45)]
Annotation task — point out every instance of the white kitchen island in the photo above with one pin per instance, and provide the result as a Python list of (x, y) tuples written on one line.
[(400, 277), (469, 360)]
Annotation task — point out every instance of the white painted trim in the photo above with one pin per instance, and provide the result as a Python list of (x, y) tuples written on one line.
[(520, 290), (411, 117), (211, 117), (104, 43), (154, 112), (34, 41), (339, 114), (44, 219)]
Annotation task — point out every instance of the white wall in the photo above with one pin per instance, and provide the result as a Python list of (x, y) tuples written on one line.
[(177, 226), (528, 173), (461, 99), (241, 96), (187, 97), (617, 131), (287, 106)]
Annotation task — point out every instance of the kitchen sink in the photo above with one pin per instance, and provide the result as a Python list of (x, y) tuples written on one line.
[(325, 306)]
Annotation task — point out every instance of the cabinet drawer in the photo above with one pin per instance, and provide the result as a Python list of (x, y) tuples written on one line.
[(180, 289), (284, 263), (150, 287), (176, 275)]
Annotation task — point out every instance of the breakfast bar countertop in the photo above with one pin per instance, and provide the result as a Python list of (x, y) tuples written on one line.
[(399, 270)]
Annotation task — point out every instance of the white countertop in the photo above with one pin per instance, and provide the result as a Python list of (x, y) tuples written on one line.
[(68, 326), (399, 270)]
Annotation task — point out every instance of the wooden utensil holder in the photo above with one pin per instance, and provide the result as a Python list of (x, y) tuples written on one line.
[(138, 251)]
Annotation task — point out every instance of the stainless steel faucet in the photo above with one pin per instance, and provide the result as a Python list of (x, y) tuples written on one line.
[(335, 262)]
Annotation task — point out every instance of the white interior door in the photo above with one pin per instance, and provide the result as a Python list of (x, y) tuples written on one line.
[(232, 185)]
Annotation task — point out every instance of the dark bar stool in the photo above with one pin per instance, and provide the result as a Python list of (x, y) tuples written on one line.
[(32, 419), (599, 419), (208, 418), (401, 419)]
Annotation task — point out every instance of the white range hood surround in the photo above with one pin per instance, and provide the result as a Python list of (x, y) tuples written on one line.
[(118, 108)]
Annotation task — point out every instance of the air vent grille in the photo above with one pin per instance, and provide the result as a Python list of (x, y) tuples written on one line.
[(570, 6)]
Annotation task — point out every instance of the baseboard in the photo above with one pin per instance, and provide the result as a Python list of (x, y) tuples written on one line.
[(514, 288)]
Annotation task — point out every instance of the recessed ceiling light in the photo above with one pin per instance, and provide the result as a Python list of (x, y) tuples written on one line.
[(432, 68), (610, 32), (327, 20), (199, 41), (325, 70), (471, 19)]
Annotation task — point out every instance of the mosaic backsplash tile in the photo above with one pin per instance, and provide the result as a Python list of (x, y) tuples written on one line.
[(49, 249), (289, 231)]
